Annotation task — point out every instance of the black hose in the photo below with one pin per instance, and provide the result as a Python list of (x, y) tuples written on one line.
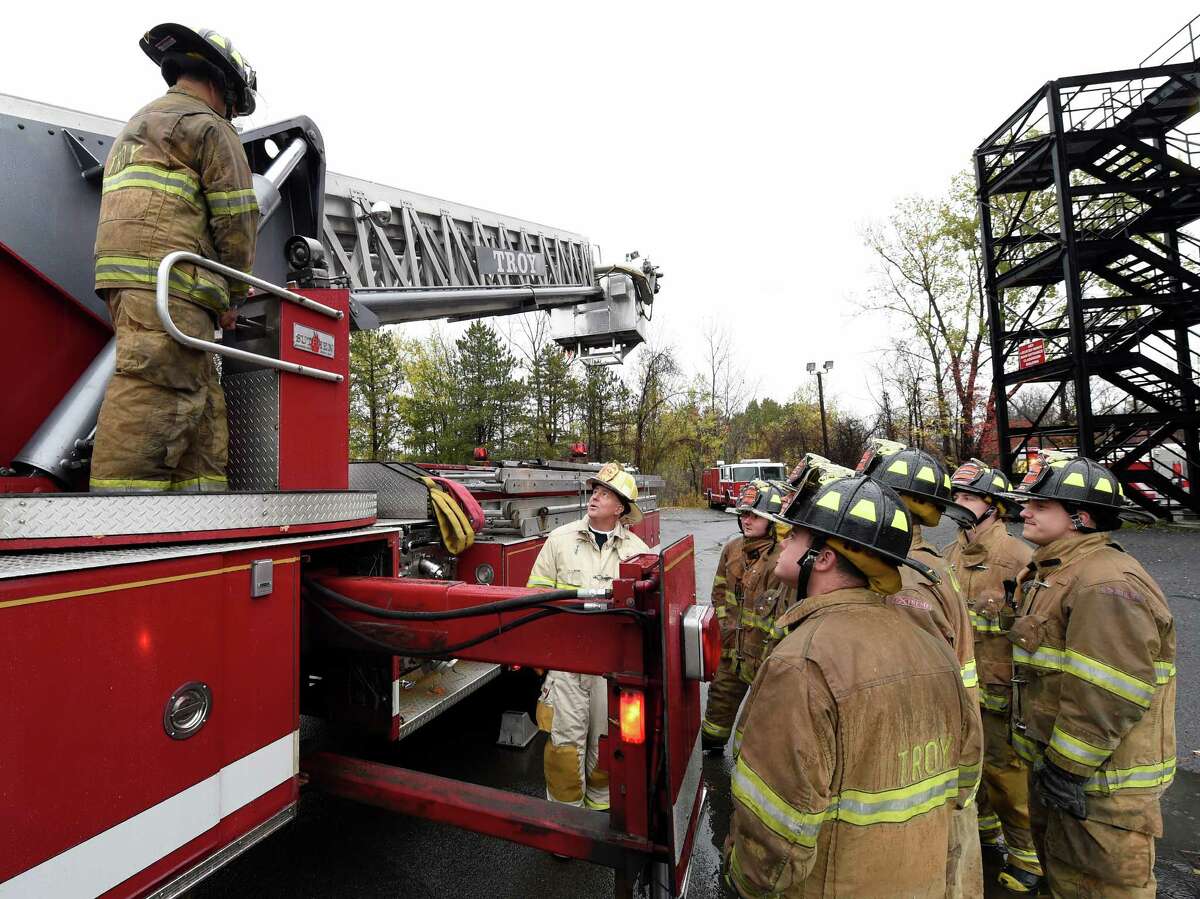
[(441, 652), (533, 600)]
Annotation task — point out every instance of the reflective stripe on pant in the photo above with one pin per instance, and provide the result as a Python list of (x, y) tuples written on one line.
[(725, 696), (1004, 794), (964, 862), (1090, 859), (162, 425), (573, 709)]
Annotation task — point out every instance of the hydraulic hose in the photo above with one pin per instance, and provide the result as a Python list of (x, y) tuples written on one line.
[(536, 601), (442, 652), (504, 605)]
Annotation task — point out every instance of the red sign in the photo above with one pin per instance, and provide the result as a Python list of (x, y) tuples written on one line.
[(1032, 353)]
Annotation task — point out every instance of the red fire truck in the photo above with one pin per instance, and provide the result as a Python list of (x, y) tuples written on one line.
[(724, 481), (159, 650)]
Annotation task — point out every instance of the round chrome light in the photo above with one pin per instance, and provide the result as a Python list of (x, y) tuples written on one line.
[(484, 574), (187, 710)]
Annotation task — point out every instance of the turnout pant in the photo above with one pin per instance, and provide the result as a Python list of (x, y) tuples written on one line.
[(1090, 859), (573, 709), (1004, 795), (162, 424), (725, 695)]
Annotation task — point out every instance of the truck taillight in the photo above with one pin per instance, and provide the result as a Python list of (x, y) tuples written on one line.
[(701, 642), (633, 716)]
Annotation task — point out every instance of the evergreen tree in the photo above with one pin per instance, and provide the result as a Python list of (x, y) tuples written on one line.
[(376, 375)]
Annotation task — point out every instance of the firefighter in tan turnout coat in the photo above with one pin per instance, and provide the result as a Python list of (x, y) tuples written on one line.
[(573, 708), (176, 179), (987, 561), (835, 792), (1093, 706), (747, 599), (936, 605)]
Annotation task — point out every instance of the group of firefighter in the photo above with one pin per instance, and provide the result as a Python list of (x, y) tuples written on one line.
[(911, 709), (907, 709)]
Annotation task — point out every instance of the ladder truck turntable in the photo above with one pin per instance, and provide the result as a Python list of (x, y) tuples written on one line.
[(159, 649)]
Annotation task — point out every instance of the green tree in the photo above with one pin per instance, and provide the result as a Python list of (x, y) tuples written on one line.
[(554, 401), (376, 376), (430, 406), (488, 394)]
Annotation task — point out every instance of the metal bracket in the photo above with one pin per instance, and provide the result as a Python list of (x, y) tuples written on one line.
[(90, 168)]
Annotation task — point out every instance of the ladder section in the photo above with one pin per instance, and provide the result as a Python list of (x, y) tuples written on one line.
[(381, 237)]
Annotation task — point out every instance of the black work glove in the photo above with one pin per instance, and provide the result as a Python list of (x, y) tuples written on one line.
[(1060, 789)]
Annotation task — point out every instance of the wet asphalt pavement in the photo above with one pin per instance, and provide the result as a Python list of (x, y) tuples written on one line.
[(336, 848)]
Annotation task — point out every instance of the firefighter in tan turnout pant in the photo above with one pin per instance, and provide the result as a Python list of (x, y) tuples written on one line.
[(1093, 709), (573, 708), (987, 561), (176, 179), (858, 738), (938, 607), (747, 598)]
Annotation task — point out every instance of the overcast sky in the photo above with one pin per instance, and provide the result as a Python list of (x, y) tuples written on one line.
[(741, 146)]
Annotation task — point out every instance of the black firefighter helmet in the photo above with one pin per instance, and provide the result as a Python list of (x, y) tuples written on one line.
[(918, 477), (1076, 483), (991, 484), (862, 520), (168, 45)]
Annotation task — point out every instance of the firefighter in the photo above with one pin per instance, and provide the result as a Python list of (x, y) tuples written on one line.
[(985, 557), (176, 179), (573, 708), (938, 607), (747, 599), (858, 738), (1093, 705)]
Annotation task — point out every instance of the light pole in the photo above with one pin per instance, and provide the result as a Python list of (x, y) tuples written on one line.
[(813, 370)]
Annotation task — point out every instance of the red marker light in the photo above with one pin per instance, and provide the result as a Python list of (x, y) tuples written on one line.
[(633, 717), (711, 646)]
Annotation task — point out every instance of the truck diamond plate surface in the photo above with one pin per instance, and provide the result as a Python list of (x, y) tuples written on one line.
[(43, 516), (252, 398), (400, 495), (432, 695), (30, 564)]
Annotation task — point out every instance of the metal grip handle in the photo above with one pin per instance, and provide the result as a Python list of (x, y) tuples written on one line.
[(209, 346)]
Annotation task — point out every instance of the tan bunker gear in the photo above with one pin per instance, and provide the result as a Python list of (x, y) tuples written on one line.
[(837, 792), (940, 610), (745, 595), (176, 179), (982, 567), (1094, 695), (573, 708)]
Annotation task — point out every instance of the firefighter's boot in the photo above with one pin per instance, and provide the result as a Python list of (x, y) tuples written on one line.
[(1018, 880)]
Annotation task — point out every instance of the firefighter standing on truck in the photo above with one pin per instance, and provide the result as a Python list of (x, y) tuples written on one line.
[(987, 560), (937, 606), (573, 708), (1093, 706), (747, 598), (858, 738), (176, 179)]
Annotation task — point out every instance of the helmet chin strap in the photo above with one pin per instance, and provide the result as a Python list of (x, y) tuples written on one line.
[(979, 519), (806, 563)]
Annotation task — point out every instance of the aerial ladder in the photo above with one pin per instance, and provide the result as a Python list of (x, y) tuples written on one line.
[(159, 649)]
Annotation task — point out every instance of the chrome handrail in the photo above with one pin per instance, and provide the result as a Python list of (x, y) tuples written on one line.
[(161, 294)]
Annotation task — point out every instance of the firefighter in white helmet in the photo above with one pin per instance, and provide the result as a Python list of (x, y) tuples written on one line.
[(573, 708)]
